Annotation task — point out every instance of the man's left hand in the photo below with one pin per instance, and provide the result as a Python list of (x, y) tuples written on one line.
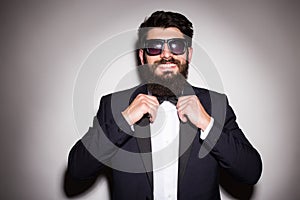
[(189, 107)]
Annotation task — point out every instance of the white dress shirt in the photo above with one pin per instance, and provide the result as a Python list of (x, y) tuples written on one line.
[(165, 149)]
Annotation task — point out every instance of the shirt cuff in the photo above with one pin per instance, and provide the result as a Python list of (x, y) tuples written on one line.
[(204, 133)]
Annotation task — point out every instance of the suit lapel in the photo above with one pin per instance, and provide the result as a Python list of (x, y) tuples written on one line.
[(187, 135), (188, 132), (142, 134), (144, 142)]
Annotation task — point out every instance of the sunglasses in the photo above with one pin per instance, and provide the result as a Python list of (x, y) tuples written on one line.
[(177, 46)]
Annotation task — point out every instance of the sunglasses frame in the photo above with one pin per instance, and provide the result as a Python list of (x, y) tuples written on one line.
[(163, 41)]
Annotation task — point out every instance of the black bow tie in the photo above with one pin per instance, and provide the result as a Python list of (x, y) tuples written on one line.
[(172, 99)]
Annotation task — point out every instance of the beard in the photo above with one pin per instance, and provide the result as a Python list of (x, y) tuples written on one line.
[(167, 84)]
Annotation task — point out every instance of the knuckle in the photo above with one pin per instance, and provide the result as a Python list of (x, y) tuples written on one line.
[(144, 105), (140, 96), (142, 101)]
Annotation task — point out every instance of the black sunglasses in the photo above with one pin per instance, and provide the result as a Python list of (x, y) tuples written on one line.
[(177, 46)]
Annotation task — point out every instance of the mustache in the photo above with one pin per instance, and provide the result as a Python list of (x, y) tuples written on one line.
[(166, 61)]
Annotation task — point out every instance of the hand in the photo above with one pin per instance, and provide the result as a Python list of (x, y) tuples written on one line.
[(141, 105), (189, 107)]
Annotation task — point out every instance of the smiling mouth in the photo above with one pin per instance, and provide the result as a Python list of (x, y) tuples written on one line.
[(167, 67)]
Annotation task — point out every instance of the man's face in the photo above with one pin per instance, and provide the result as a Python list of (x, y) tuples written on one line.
[(166, 64)]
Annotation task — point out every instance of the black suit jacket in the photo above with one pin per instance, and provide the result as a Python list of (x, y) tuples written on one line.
[(111, 142)]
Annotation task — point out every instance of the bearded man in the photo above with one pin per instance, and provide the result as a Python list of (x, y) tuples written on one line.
[(165, 139)]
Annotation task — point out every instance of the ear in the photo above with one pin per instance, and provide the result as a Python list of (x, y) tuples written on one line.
[(141, 55), (190, 55)]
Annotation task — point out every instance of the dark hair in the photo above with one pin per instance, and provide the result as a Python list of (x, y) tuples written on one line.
[(165, 20)]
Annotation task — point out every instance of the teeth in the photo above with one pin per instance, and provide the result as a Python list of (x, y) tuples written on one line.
[(167, 65)]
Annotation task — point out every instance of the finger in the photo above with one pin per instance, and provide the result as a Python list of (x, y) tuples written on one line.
[(182, 101), (181, 113), (183, 98), (191, 103), (146, 98), (152, 113), (182, 117), (186, 98), (182, 106), (153, 99), (146, 104), (152, 110), (150, 118)]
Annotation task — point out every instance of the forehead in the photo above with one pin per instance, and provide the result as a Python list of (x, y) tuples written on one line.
[(164, 33)]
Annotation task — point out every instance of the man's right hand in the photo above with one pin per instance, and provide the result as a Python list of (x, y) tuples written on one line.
[(141, 105)]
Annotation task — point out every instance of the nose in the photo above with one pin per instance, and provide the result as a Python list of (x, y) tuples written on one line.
[(166, 53)]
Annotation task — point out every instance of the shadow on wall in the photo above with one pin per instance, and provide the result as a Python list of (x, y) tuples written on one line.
[(75, 188)]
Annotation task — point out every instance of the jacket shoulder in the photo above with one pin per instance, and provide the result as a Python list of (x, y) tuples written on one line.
[(125, 93), (206, 92)]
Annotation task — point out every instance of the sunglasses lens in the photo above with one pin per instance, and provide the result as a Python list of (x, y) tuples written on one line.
[(154, 47), (153, 51), (177, 46)]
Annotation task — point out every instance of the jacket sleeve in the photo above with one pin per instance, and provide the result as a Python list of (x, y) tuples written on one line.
[(95, 149), (228, 144)]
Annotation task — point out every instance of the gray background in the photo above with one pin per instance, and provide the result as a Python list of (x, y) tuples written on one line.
[(253, 44)]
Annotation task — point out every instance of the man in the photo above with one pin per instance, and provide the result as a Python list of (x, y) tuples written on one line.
[(165, 139)]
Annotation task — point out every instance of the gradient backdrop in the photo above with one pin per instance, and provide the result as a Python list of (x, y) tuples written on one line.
[(254, 46)]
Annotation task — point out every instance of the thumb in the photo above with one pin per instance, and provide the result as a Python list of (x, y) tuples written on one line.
[(182, 117)]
